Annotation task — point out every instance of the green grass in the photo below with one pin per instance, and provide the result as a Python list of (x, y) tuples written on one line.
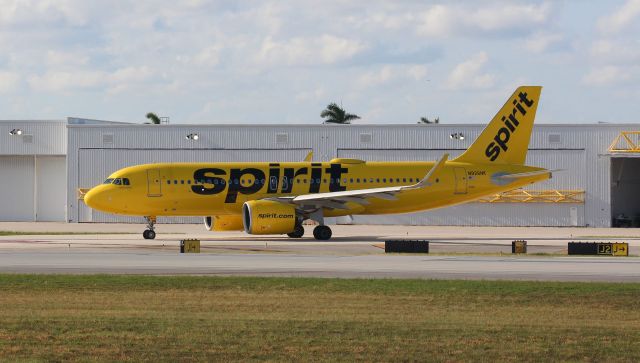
[(21, 233), (185, 318)]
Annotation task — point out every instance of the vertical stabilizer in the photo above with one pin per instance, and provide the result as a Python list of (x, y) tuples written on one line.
[(505, 140)]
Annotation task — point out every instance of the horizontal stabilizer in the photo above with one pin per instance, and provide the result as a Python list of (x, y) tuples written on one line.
[(527, 174)]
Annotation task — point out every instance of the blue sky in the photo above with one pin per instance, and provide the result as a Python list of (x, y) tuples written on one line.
[(390, 62)]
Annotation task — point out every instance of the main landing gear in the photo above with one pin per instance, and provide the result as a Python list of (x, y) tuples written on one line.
[(322, 233), (149, 233)]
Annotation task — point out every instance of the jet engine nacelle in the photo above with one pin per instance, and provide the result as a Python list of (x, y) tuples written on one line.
[(268, 217), (223, 223)]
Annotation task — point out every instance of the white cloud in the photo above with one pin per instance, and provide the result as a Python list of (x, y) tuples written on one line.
[(8, 81), (620, 18), (325, 49), (314, 95), (209, 56), (116, 81), (616, 52), (57, 58), (74, 13), (392, 73), (607, 75), (542, 41), (469, 74), (64, 80), (417, 72), (449, 20)]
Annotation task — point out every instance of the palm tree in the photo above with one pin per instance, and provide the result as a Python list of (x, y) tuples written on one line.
[(424, 120), (334, 114), (154, 118)]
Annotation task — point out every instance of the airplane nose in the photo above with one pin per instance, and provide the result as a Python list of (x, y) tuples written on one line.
[(93, 199)]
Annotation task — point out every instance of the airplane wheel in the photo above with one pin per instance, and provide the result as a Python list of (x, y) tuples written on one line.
[(298, 232), (149, 234), (322, 233)]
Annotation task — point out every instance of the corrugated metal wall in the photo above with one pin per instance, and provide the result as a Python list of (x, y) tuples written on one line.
[(97, 150), (38, 138)]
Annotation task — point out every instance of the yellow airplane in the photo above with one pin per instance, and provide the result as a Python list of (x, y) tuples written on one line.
[(275, 198)]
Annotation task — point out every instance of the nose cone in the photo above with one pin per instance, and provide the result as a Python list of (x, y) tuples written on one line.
[(95, 198)]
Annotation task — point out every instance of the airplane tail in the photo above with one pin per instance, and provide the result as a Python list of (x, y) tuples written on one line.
[(505, 140)]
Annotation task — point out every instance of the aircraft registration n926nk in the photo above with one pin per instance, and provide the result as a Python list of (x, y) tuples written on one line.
[(276, 197)]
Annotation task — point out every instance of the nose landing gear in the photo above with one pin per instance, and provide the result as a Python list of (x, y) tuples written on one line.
[(298, 232), (150, 233)]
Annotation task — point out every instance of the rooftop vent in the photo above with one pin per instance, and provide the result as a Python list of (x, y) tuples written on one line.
[(365, 138), (282, 138), (554, 138)]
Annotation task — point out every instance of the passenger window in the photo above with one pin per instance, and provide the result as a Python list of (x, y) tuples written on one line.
[(370, 180), (168, 181), (397, 180), (344, 180), (384, 180), (297, 181), (189, 182), (350, 180), (358, 180), (404, 180), (125, 181), (324, 181), (364, 180), (182, 181), (378, 180)]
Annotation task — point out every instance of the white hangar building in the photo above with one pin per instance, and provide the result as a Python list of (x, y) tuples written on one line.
[(44, 165)]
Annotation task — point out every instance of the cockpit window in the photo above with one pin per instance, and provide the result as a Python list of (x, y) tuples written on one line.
[(125, 181), (117, 181), (108, 181)]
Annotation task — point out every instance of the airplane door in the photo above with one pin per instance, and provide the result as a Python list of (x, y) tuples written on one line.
[(273, 183), (461, 180), (154, 186)]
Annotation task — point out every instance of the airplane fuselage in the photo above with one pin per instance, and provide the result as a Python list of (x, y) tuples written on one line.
[(203, 189)]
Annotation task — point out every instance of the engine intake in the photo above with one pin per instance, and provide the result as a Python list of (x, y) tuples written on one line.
[(268, 217)]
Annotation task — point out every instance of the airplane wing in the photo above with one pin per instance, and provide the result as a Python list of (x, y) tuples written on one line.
[(338, 200), (524, 175)]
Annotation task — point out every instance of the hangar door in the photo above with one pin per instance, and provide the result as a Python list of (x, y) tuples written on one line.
[(17, 181), (33, 188), (490, 214), (94, 165), (625, 192)]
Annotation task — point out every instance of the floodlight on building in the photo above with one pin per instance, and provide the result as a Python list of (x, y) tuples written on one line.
[(457, 136), (15, 132), (193, 137)]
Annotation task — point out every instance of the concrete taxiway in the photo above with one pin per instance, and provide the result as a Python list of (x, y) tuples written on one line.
[(366, 266), (355, 251)]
